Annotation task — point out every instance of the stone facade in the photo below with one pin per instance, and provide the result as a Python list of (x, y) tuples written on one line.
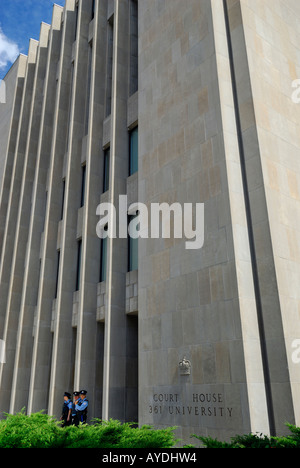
[(199, 339)]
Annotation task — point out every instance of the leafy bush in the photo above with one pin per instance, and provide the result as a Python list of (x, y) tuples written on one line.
[(113, 434), (20, 431), (255, 440), (209, 442), (42, 431)]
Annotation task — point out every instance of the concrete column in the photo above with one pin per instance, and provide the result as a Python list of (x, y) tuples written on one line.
[(17, 170), (22, 221), (12, 214), (64, 339), (258, 413), (90, 334), (45, 311), (35, 223), (115, 351), (270, 315), (8, 151)]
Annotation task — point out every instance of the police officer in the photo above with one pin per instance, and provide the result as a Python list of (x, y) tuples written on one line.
[(66, 410), (75, 419), (82, 407)]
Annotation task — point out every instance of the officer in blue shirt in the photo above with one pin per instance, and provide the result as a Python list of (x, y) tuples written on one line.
[(66, 410), (82, 407), (75, 419)]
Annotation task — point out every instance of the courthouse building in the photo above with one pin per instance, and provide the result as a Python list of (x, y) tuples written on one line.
[(161, 101)]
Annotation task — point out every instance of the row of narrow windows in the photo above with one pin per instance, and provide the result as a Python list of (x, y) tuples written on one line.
[(133, 48), (133, 134), (76, 16), (132, 260), (132, 243)]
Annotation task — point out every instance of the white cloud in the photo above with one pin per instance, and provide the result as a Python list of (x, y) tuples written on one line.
[(9, 51)]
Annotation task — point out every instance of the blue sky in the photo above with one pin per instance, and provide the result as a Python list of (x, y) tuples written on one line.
[(20, 20)]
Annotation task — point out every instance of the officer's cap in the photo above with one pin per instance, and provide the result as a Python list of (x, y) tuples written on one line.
[(83, 392), (75, 393), (67, 394)]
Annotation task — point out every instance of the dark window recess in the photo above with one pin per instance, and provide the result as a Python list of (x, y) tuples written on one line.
[(106, 170), (78, 271), (76, 21), (88, 90), (83, 180), (69, 107), (109, 64), (103, 260), (63, 198), (132, 248), (57, 273), (133, 151), (133, 82)]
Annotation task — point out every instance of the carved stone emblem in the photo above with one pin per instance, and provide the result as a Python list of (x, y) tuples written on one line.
[(185, 366)]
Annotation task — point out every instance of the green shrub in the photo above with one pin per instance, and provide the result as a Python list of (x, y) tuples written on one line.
[(35, 431), (113, 434), (255, 440), (42, 431), (209, 442)]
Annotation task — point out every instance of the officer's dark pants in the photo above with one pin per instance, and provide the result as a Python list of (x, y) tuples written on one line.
[(82, 418), (75, 420), (66, 422)]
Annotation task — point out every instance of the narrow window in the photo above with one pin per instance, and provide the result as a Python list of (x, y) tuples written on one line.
[(76, 21), (133, 83), (57, 273), (133, 151), (78, 271), (109, 64), (132, 249), (106, 170), (88, 89), (69, 107), (93, 9), (83, 179), (63, 198), (103, 262)]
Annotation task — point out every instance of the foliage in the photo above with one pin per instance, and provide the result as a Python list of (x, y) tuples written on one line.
[(209, 442), (39, 430), (255, 440), (42, 431), (20, 431)]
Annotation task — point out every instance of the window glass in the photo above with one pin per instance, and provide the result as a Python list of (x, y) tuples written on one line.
[(133, 157), (103, 259), (83, 177), (78, 273), (106, 170), (132, 250)]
